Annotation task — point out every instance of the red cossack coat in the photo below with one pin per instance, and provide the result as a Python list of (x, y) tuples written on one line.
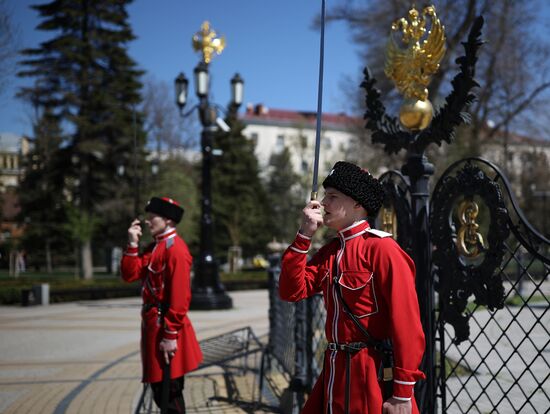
[(164, 270), (377, 281)]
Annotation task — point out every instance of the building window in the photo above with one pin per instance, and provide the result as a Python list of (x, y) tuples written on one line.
[(304, 166), (254, 138), (280, 144), (303, 141)]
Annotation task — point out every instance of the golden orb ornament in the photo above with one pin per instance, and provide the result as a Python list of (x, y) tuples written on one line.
[(416, 114), (412, 62)]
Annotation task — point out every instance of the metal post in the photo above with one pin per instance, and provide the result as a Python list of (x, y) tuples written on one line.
[(419, 170), (207, 292), (298, 381), (386, 130), (542, 194), (544, 214)]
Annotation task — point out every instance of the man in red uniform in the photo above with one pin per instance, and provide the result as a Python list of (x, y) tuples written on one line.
[(367, 270), (167, 336)]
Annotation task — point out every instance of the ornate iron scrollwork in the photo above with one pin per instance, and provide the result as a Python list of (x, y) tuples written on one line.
[(395, 215), (464, 264)]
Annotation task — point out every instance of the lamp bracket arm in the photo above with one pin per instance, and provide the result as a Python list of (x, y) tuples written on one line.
[(188, 112)]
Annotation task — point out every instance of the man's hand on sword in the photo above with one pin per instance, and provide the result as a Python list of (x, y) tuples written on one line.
[(134, 233), (395, 406), (168, 347), (312, 218)]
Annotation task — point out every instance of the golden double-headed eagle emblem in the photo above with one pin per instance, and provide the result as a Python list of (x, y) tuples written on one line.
[(412, 64)]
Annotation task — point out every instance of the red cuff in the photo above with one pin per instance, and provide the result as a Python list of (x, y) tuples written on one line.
[(404, 381), (403, 391), (170, 334), (131, 251), (301, 244)]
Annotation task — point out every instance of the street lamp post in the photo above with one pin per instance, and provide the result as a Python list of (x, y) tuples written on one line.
[(208, 292)]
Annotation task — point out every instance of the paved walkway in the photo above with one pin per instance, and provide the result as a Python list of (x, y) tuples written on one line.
[(83, 357)]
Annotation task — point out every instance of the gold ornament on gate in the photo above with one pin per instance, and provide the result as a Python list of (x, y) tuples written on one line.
[(469, 241), (412, 65), (389, 220), (206, 42)]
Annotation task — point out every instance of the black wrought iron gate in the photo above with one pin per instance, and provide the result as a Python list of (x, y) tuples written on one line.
[(491, 275), (482, 270), (491, 320)]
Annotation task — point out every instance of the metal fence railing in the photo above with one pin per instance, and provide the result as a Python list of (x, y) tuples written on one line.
[(296, 343), (504, 366), (502, 362)]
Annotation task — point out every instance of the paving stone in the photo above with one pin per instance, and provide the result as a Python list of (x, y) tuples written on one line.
[(83, 357)]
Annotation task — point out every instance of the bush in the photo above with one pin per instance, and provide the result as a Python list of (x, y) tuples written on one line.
[(65, 288)]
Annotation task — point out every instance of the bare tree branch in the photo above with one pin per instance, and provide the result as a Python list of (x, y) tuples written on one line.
[(516, 59), (523, 106)]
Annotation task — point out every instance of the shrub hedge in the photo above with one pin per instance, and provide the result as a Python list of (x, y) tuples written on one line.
[(65, 288)]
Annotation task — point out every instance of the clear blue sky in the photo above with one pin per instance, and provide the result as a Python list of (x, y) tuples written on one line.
[(270, 43)]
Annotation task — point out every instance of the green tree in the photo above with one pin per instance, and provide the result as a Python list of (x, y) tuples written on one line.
[(177, 179), (240, 206), (84, 74), (284, 194), (42, 205)]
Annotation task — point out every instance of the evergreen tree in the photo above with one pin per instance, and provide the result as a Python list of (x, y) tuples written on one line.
[(86, 77), (240, 206), (284, 197), (42, 205)]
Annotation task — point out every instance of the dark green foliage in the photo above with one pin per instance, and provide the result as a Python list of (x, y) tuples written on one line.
[(241, 209), (86, 82), (177, 180), (65, 288), (41, 201), (284, 197)]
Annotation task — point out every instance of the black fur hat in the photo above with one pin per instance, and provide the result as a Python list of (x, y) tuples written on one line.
[(165, 207), (358, 184)]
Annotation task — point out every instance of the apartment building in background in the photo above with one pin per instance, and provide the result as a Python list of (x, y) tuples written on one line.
[(509, 150), (13, 149), (274, 129)]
